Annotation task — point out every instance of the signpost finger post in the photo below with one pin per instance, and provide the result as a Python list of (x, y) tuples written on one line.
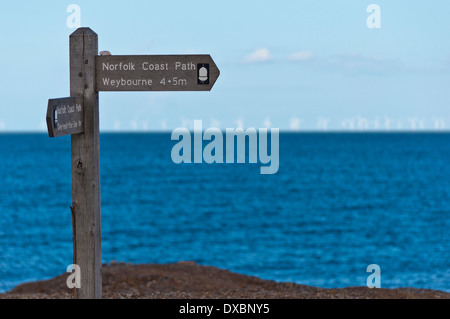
[(78, 116)]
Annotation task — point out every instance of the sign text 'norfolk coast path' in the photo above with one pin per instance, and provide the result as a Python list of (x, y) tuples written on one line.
[(65, 116), (155, 72)]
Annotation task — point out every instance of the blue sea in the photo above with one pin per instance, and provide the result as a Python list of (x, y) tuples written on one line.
[(338, 203)]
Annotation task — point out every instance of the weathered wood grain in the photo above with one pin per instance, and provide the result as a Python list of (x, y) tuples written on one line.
[(86, 164)]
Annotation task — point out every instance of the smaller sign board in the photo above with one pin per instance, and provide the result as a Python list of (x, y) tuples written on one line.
[(65, 116)]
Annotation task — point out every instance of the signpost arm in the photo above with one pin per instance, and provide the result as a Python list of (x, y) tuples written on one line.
[(86, 165)]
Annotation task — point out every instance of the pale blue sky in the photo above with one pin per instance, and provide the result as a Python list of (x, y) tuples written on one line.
[(283, 63)]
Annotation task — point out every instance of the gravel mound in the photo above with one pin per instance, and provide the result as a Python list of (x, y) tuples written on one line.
[(187, 280)]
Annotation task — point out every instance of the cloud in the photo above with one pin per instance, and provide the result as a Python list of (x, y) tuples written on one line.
[(349, 63), (301, 56), (363, 63), (260, 55)]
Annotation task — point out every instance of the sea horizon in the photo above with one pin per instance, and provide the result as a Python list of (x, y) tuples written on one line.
[(338, 203)]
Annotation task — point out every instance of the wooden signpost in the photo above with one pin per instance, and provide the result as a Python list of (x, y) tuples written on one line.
[(78, 116)]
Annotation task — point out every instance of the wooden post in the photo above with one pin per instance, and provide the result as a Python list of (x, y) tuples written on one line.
[(86, 165)]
